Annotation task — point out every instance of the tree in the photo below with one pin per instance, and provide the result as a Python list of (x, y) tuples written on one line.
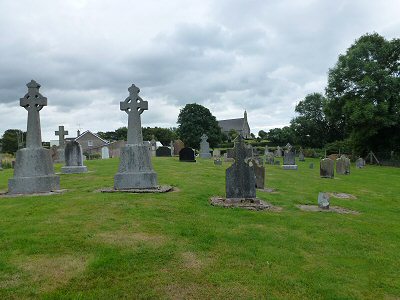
[(164, 135), (120, 134), (194, 120), (281, 136), (363, 93), (310, 127), (262, 134), (10, 140)]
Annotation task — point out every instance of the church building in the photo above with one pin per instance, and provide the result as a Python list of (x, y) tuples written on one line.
[(240, 125)]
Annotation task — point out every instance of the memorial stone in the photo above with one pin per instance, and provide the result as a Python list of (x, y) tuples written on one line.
[(259, 172), (216, 153), (240, 179), (163, 151), (61, 143), (33, 170), (178, 146), (73, 159), (105, 153), (289, 160), (204, 147), (153, 147), (311, 166), (323, 200), (360, 163), (343, 165), (171, 147), (278, 152), (135, 169), (301, 156), (326, 168), (187, 155), (269, 158)]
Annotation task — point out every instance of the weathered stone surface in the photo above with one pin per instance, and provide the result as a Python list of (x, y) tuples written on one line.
[(301, 156), (326, 168), (187, 155), (289, 158), (250, 204), (259, 172), (360, 163), (153, 147), (230, 153), (61, 144), (343, 165), (73, 159), (163, 151), (135, 170), (289, 167), (216, 153), (278, 152), (240, 178), (204, 147), (323, 200), (105, 153), (178, 146), (33, 171), (269, 158)]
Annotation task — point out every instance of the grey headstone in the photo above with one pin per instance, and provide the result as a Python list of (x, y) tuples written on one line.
[(135, 170), (360, 163), (204, 147), (343, 165), (105, 153), (269, 158), (216, 153), (259, 172), (278, 152), (61, 133), (73, 159), (326, 168), (289, 167), (311, 166), (187, 155), (163, 151), (301, 156), (323, 200), (171, 147), (289, 158), (153, 147), (33, 172), (240, 179)]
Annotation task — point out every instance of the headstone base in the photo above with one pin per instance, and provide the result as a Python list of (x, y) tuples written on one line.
[(245, 203), (289, 167), (135, 169), (73, 169), (205, 155), (31, 185), (60, 155), (157, 189)]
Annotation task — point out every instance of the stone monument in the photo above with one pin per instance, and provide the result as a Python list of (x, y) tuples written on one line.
[(360, 163), (178, 146), (171, 147), (259, 172), (135, 169), (73, 159), (216, 153), (61, 143), (240, 179), (289, 159), (301, 156), (153, 147), (278, 152), (33, 171), (323, 200), (326, 168), (163, 151), (105, 153), (204, 147), (187, 155), (343, 165)]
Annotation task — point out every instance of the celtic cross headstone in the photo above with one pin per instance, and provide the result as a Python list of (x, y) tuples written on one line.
[(61, 135)]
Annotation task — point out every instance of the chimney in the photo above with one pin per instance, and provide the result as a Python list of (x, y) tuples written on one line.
[(78, 133)]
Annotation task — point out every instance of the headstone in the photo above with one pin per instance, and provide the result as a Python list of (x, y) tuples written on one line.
[(269, 158), (61, 143), (73, 159), (171, 147), (163, 151), (289, 160), (259, 172), (343, 165), (266, 151), (326, 168), (187, 155), (216, 153), (301, 156), (105, 153), (153, 147), (218, 162), (360, 163), (135, 169), (278, 152), (33, 172), (178, 146), (311, 166), (204, 147), (240, 179), (323, 200)]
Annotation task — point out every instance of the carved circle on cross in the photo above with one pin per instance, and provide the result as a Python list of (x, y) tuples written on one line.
[(33, 98), (134, 101)]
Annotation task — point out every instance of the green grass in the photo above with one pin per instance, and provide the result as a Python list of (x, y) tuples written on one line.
[(85, 244)]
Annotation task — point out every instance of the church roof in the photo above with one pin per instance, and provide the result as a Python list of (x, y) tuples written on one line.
[(236, 124)]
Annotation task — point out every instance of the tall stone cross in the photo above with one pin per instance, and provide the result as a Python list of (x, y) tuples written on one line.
[(134, 106), (61, 135), (33, 102)]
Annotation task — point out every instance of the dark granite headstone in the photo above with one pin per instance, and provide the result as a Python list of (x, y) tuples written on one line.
[(259, 172), (240, 179), (187, 155), (163, 151), (326, 168)]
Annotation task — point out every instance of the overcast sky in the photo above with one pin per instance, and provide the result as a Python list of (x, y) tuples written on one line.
[(260, 55)]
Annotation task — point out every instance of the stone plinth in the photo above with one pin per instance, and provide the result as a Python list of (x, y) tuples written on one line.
[(33, 172), (135, 169), (204, 147)]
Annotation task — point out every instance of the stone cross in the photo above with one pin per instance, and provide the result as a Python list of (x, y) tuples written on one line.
[(33, 102), (61, 135), (134, 107)]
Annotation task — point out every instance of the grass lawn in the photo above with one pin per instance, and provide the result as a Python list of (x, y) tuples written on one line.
[(85, 244)]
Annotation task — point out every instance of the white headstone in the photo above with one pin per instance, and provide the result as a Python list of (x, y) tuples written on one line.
[(105, 153)]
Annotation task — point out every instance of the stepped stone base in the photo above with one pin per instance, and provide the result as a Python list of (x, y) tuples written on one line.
[(32, 185), (73, 169)]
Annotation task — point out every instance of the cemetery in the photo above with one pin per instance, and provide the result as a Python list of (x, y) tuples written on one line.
[(202, 150)]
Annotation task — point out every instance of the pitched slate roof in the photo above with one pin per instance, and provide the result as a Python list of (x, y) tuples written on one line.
[(95, 135), (229, 124)]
